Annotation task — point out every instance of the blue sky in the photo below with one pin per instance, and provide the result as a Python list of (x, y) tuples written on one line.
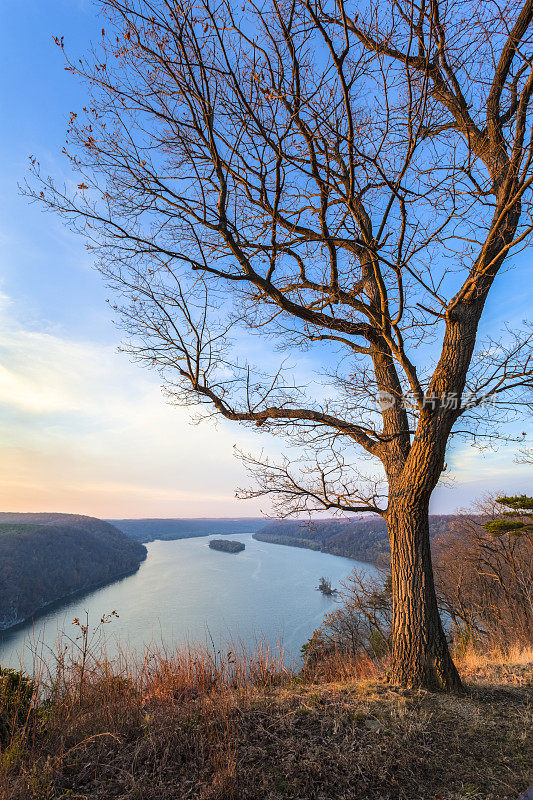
[(82, 429)]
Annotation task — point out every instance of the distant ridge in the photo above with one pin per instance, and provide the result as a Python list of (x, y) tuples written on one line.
[(148, 530), (45, 557), (362, 538)]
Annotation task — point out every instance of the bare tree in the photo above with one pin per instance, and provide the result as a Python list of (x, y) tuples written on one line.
[(484, 571), (345, 181), (362, 623), (524, 455)]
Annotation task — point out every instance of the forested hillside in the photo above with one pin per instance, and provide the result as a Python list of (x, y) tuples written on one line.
[(147, 530), (45, 557), (360, 538)]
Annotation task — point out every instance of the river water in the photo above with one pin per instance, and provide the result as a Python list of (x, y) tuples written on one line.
[(187, 593)]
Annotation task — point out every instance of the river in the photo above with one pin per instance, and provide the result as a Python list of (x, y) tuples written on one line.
[(186, 592)]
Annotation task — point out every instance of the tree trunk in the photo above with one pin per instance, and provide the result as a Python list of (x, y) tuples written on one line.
[(420, 654)]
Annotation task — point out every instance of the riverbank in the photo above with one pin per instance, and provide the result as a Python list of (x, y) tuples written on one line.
[(48, 558), (361, 538), (61, 601), (200, 726)]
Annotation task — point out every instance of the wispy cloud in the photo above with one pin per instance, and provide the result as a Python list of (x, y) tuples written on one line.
[(81, 424)]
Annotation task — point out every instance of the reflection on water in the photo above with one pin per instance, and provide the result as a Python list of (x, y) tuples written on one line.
[(186, 592)]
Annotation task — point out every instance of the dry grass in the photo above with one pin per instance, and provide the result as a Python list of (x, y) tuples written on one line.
[(216, 726), (510, 665)]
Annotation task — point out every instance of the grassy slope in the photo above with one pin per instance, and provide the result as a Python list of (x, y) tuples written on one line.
[(179, 735)]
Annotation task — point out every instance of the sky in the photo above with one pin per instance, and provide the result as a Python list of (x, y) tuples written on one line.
[(82, 429)]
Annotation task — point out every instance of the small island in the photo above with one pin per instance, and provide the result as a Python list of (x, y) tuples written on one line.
[(325, 587), (226, 546)]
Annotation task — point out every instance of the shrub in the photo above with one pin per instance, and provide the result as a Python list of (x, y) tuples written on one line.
[(16, 694)]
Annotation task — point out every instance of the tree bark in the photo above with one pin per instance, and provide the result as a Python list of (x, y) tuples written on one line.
[(420, 653)]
